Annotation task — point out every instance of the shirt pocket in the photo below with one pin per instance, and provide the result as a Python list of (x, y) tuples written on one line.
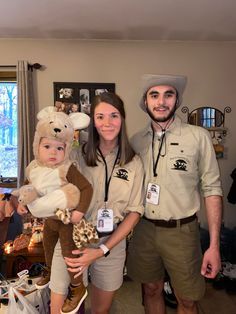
[(181, 165), (121, 184)]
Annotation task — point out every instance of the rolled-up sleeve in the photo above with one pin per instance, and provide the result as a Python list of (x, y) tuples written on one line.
[(210, 182), (137, 194)]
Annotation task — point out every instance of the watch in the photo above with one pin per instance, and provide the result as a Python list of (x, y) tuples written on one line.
[(105, 249)]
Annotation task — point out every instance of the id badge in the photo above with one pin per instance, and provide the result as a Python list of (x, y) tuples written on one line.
[(105, 220), (153, 193)]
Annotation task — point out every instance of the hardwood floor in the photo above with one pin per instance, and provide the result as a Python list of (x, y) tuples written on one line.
[(128, 301)]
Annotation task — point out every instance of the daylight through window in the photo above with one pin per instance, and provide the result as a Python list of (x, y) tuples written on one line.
[(8, 128)]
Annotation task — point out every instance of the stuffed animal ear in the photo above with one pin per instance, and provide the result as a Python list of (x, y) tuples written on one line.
[(43, 114), (79, 120)]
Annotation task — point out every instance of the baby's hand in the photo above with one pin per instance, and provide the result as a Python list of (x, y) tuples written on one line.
[(21, 209), (76, 216)]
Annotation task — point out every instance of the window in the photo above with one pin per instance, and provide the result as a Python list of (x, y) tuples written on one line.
[(8, 125), (208, 117)]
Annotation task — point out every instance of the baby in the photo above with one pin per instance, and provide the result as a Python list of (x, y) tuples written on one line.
[(55, 184)]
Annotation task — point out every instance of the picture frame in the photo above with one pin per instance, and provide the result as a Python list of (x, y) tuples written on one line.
[(77, 97), (72, 96)]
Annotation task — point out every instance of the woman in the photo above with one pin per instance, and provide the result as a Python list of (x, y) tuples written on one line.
[(116, 174)]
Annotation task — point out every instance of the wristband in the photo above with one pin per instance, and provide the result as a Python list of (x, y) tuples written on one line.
[(105, 249)]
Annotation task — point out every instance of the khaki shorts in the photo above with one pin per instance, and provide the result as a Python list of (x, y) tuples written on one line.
[(106, 273), (153, 250)]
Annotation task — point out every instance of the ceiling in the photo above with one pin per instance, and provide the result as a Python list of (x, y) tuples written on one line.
[(184, 20)]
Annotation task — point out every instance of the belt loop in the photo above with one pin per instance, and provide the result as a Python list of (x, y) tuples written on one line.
[(178, 223)]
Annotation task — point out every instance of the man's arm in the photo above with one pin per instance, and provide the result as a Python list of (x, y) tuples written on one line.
[(211, 261)]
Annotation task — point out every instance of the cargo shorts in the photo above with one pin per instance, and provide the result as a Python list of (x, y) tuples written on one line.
[(152, 250)]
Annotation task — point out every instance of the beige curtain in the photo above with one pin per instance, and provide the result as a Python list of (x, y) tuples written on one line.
[(26, 117)]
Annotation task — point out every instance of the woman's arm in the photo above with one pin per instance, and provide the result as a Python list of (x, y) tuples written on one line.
[(122, 230), (89, 255)]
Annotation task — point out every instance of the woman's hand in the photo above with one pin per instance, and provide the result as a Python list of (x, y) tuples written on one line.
[(87, 257)]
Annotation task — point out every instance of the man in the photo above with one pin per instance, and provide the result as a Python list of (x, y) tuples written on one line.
[(179, 162)]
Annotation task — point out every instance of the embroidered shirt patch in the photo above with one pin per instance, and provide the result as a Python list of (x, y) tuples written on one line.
[(122, 174), (180, 164)]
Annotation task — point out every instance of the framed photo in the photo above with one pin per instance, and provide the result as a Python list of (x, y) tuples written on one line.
[(65, 92), (77, 97), (71, 96)]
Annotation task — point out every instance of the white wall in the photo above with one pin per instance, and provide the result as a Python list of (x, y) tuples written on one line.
[(210, 67)]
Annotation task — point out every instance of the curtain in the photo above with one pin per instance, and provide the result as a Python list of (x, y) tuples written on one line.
[(26, 117)]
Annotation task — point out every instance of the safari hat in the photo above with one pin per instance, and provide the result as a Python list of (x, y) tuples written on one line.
[(149, 80)]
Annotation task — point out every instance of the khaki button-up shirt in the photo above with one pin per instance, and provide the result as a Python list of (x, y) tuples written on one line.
[(186, 167), (125, 190)]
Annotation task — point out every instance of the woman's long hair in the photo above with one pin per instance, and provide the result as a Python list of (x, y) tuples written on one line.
[(90, 151)]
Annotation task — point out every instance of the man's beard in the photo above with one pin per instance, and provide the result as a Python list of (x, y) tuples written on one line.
[(161, 119)]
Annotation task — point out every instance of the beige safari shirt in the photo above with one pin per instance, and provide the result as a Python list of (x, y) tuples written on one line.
[(125, 190), (187, 167)]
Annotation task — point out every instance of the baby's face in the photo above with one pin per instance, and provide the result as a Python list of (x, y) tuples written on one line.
[(68, 92), (51, 152)]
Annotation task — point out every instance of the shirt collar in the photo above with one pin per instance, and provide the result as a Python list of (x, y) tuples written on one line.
[(174, 128), (112, 153)]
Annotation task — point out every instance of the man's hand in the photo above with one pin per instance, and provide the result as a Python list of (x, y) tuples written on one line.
[(76, 216), (211, 263)]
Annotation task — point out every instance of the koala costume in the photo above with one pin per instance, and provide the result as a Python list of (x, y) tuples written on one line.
[(55, 190)]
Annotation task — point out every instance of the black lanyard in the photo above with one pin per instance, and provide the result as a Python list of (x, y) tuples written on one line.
[(159, 152), (108, 180)]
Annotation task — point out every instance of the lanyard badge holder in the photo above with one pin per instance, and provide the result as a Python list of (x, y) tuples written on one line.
[(105, 215), (153, 189), (105, 220)]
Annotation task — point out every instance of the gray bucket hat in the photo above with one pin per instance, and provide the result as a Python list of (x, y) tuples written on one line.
[(177, 81)]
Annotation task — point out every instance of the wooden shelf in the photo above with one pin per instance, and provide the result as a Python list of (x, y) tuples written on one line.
[(33, 254), (219, 129), (11, 183)]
